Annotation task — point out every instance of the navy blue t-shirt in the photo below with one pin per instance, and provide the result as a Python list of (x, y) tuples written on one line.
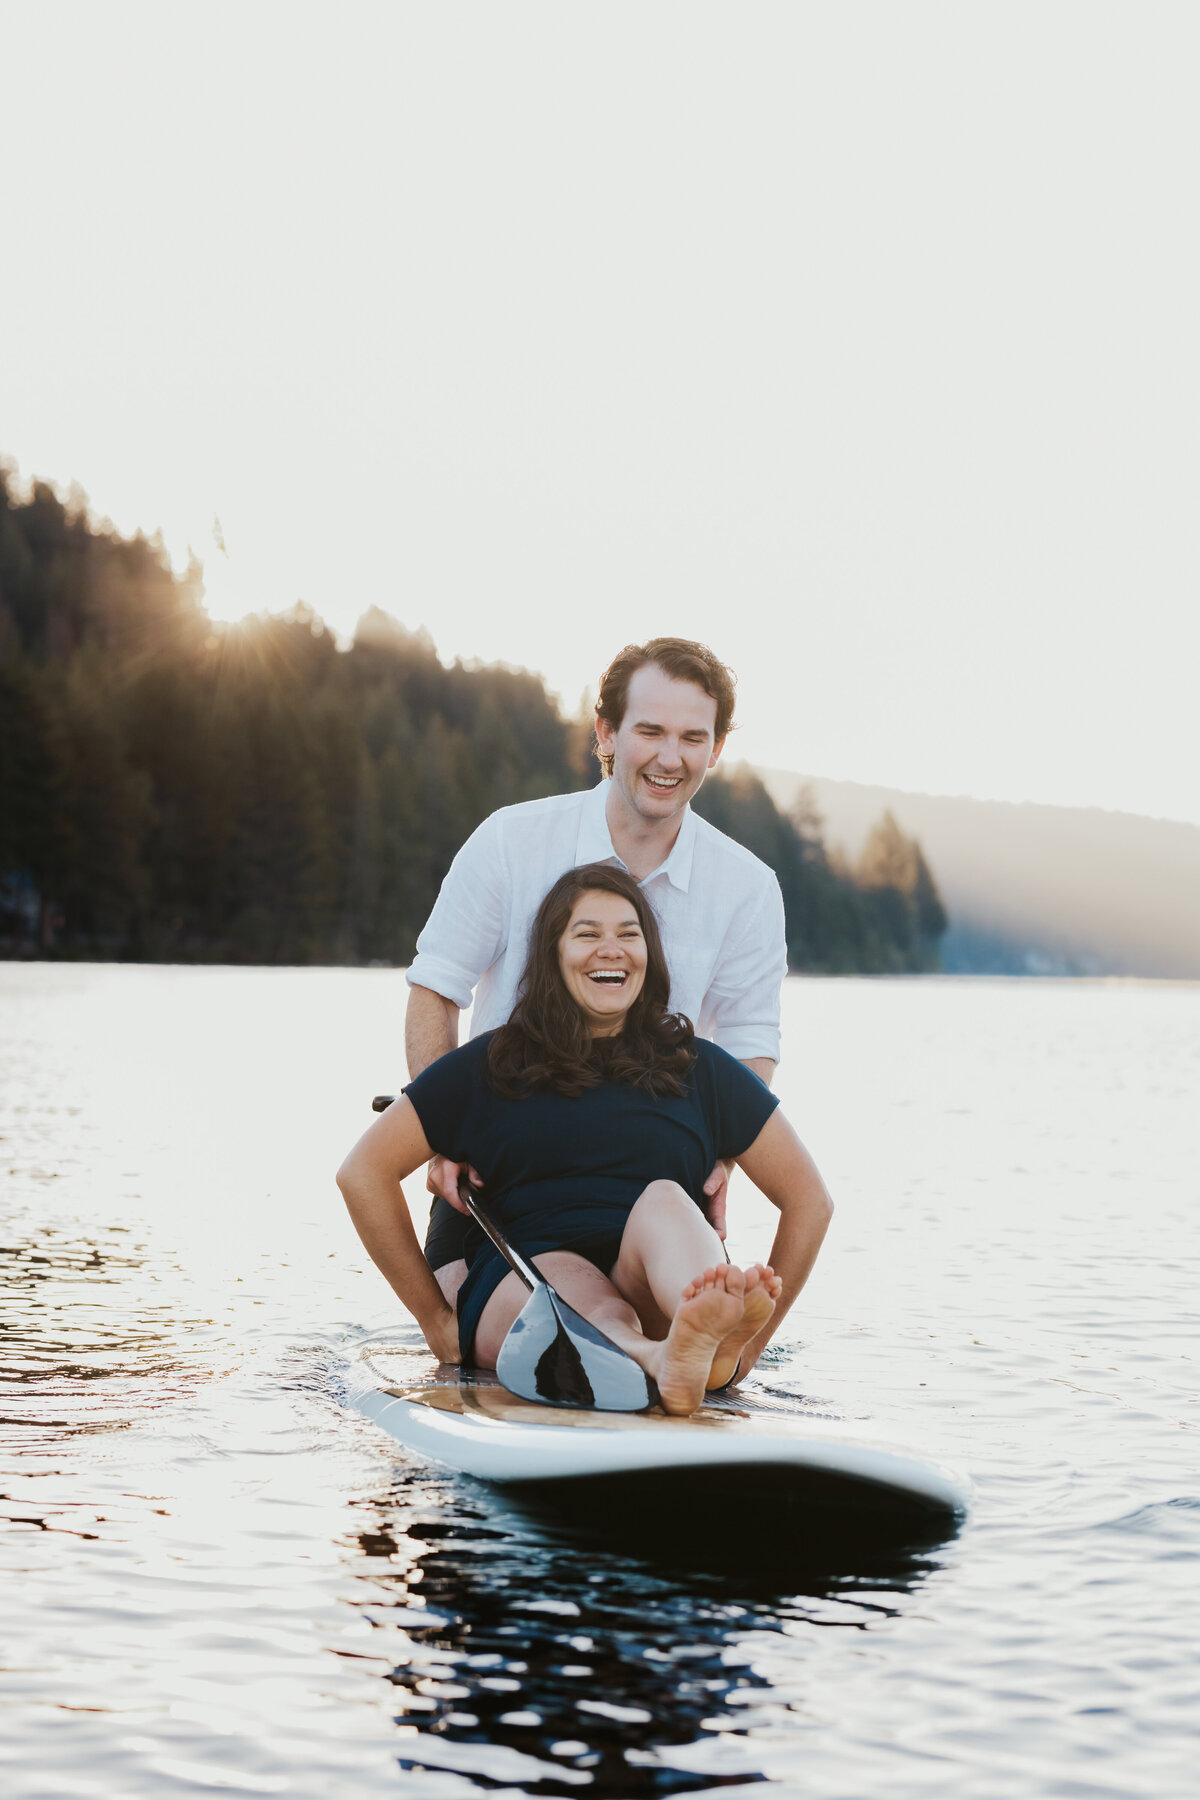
[(562, 1173)]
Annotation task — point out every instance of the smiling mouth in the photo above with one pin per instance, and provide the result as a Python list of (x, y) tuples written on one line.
[(664, 783), (615, 978)]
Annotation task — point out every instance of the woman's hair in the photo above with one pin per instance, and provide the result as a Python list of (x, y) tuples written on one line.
[(546, 1042), (680, 658)]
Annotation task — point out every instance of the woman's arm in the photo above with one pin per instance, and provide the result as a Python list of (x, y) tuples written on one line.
[(370, 1177), (716, 1188), (781, 1168)]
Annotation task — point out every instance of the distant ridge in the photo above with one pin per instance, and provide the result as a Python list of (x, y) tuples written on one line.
[(1036, 890)]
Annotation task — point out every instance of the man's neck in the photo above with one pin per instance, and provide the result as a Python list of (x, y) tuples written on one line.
[(641, 845)]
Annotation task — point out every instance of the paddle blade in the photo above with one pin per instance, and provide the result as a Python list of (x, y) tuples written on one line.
[(554, 1356)]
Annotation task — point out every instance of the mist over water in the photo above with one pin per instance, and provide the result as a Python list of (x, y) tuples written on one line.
[(220, 1577)]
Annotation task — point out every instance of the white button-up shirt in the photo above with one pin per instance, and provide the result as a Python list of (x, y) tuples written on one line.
[(719, 909)]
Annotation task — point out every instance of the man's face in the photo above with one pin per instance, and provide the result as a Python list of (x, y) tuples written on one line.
[(664, 746)]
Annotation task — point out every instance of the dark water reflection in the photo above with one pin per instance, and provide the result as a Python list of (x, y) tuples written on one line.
[(550, 1662)]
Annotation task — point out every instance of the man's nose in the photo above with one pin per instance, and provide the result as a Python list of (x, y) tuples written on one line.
[(669, 754)]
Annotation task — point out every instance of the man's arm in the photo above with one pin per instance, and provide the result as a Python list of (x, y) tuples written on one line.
[(468, 926), (430, 1028), (462, 937), (740, 1011)]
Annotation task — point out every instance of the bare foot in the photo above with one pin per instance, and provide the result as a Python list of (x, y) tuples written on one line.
[(707, 1313), (763, 1288)]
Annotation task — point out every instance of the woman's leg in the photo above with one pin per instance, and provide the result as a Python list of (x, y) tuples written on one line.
[(667, 1252), (667, 1242), (679, 1365), (582, 1286), (763, 1288), (673, 1304)]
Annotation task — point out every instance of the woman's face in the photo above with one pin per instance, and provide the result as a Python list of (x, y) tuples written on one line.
[(602, 956)]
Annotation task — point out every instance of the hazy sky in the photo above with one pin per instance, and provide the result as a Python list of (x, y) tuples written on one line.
[(859, 340)]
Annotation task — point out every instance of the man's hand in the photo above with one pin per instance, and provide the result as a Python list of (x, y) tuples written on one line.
[(442, 1179), (715, 1190)]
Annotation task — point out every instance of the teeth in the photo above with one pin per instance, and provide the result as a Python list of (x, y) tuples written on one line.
[(610, 977), (664, 781)]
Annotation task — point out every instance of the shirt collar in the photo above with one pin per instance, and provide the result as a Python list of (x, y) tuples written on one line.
[(595, 844)]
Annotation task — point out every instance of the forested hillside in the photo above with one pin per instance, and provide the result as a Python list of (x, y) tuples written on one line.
[(173, 789), (1037, 889)]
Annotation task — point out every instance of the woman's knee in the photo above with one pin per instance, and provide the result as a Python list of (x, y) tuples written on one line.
[(666, 1196), (665, 1214)]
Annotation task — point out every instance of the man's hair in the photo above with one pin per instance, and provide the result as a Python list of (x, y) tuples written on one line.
[(546, 1043), (679, 658)]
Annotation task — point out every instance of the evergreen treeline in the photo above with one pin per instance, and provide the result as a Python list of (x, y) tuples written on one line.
[(882, 916), (173, 789)]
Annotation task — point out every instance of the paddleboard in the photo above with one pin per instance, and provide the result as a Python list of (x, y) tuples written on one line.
[(737, 1449)]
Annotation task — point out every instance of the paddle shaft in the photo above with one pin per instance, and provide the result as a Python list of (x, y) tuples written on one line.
[(516, 1262)]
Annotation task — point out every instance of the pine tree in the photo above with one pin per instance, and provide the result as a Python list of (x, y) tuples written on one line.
[(171, 787)]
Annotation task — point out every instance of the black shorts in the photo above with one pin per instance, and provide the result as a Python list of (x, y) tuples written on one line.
[(446, 1234), (489, 1268)]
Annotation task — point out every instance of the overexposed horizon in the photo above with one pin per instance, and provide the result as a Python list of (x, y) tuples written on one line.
[(856, 341)]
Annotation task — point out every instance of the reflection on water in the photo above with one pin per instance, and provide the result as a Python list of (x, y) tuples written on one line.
[(218, 1577), (523, 1657), (86, 1343)]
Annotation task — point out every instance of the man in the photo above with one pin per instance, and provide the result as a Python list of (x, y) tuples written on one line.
[(662, 717)]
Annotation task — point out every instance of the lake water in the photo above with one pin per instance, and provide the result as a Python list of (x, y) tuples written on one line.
[(219, 1578)]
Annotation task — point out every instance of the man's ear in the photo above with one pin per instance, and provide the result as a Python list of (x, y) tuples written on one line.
[(715, 758), (605, 735)]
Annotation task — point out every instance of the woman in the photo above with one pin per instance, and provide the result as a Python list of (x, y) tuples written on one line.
[(594, 1117)]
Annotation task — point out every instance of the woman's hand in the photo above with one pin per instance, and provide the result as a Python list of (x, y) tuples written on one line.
[(441, 1334), (370, 1179)]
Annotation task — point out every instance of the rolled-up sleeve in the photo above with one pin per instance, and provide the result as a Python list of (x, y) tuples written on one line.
[(741, 1008), (468, 927)]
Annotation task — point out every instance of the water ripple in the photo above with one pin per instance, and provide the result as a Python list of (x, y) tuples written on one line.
[(219, 1577)]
